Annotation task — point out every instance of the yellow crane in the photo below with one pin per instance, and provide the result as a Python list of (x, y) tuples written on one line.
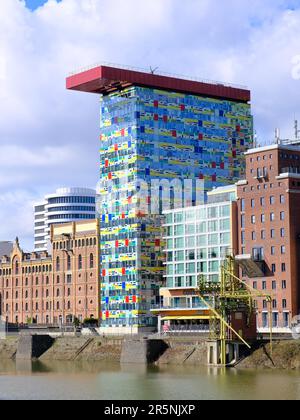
[(230, 294)]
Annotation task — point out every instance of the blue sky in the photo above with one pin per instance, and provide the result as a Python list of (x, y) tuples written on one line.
[(34, 4), (49, 136)]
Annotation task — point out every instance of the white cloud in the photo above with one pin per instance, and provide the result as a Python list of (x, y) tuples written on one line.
[(48, 136)]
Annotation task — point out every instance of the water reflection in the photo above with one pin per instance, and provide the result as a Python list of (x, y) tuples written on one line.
[(86, 380)]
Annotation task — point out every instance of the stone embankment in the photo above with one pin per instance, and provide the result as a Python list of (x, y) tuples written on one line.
[(176, 351), (84, 349), (8, 348), (184, 352), (286, 355)]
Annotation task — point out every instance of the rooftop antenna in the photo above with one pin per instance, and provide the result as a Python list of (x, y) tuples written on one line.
[(297, 130), (255, 142), (277, 136), (152, 71)]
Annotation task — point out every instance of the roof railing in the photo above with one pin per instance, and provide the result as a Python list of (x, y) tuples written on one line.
[(157, 73)]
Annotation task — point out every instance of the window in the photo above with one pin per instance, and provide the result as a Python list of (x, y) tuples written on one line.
[(282, 199), (262, 201), (179, 243), (178, 217), (253, 236), (286, 320), (190, 242), (264, 285), (274, 303), (283, 267), (283, 284), (263, 218), (274, 285), (243, 204), (243, 221), (272, 234), (80, 262), (252, 204), (258, 254), (190, 255), (282, 233), (179, 230), (272, 200), (57, 264), (273, 250), (275, 318), (91, 261), (273, 268), (17, 268), (272, 217), (282, 215), (253, 220), (263, 234), (224, 238), (283, 250), (69, 263), (243, 238), (284, 304), (255, 285)]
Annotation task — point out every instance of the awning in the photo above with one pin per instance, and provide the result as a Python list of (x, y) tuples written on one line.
[(179, 318)]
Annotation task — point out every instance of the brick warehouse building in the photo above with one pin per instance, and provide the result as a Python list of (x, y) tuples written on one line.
[(152, 128), (53, 289), (269, 207)]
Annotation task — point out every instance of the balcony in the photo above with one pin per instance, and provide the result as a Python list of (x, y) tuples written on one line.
[(179, 307)]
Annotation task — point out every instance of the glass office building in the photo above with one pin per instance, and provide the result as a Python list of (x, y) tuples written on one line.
[(197, 239)]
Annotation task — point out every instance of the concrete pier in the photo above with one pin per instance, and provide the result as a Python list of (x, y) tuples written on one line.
[(32, 347), (142, 351)]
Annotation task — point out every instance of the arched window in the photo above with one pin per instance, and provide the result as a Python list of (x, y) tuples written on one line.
[(91, 260), (80, 262), (57, 293), (57, 264), (17, 268)]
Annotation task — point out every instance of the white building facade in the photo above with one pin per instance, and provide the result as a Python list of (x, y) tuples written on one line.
[(64, 206)]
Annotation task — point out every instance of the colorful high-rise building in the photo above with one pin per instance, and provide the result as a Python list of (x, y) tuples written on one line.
[(155, 128)]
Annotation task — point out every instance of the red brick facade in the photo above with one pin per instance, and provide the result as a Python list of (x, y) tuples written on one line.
[(269, 209), (44, 289)]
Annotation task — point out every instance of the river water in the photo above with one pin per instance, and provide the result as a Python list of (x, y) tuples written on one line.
[(72, 381)]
